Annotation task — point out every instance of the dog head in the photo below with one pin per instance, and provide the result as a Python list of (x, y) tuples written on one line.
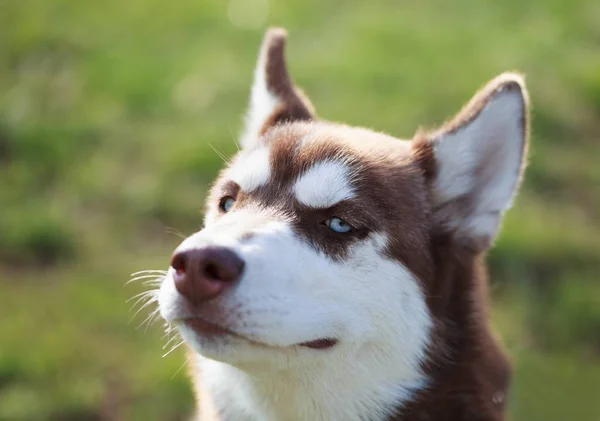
[(319, 238)]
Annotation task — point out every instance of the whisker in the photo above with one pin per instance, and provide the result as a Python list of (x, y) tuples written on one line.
[(169, 342), (152, 317), (234, 137), (175, 231), (140, 277), (146, 299), (167, 334), (187, 360), (146, 304), (168, 331), (140, 301), (219, 153), (153, 275), (153, 282), (174, 348), (143, 294), (164, 272)]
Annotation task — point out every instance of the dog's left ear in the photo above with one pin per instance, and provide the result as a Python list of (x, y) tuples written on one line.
[(274, 98), (474, 163)]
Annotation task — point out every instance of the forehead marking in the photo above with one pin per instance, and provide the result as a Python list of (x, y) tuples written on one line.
[(253, 170), (324, 184)]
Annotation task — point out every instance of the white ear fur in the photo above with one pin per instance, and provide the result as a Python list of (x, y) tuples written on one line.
[(274, 97), (480, 160), (262, 101)]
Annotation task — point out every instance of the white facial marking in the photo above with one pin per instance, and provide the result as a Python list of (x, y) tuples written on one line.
[(252, 171), (324, 185), (290, 294)]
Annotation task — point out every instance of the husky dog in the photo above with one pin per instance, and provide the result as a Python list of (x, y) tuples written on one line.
[(340, 271)]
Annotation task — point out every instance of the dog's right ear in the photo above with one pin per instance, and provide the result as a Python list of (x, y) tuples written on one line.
[(274, 98)]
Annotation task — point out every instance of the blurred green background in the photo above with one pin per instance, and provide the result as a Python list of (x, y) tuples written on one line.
[(107, 113)]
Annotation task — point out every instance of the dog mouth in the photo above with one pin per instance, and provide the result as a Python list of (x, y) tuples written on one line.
[(323, 343), (210, 330)]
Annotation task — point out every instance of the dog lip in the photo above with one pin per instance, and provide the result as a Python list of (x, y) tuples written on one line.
[(208, 329), (205, 328), (323, 343)]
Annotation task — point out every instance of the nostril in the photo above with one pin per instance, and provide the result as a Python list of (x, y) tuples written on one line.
[(211, 271), (221, 265), (178, 262)]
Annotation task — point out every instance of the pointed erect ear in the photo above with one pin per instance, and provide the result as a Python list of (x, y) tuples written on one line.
[(475, 162), (274, 98)]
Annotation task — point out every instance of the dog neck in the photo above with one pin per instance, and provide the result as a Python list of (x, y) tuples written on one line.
[(343, 390), (468, 370)]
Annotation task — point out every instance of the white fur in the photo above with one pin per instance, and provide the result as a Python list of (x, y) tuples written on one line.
[(262, 104), (252, 170), (291, 293), (483, 160), (324, 184)]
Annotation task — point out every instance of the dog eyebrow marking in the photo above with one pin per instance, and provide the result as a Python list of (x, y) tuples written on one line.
[(324, 184), (253, 170)]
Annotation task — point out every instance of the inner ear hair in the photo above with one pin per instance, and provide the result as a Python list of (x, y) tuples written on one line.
[(474, 163), (508, 81)]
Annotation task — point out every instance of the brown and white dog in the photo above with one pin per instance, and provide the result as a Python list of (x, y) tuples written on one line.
[(339, 274)]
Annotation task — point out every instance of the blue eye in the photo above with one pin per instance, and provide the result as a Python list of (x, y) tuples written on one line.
[(227, 203), (338, 225)]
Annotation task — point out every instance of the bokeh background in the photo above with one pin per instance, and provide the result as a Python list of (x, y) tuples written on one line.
[(108, 110)]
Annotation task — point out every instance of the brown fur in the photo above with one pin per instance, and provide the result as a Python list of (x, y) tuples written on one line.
[(470, 371), (294, 106)]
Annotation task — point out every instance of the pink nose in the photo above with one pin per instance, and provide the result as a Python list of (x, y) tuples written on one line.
[(204, 273)]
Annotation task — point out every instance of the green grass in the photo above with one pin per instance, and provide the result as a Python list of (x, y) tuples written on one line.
[(107, 111)]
